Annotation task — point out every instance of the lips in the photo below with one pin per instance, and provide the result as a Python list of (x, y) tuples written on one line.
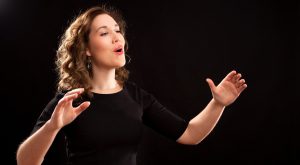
[(119, 50)]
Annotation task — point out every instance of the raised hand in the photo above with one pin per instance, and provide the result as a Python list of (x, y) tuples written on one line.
[(64, 113), (229, 88)]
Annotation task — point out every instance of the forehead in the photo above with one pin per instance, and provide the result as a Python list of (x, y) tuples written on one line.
[(103, 20)]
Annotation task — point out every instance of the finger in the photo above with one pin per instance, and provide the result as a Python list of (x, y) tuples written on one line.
[(211, 84), (236, 78), (77, 90), (60, 104), (242, 88), (230, 75), (240, 83), (70, 98), (83, 106), (63, 101)]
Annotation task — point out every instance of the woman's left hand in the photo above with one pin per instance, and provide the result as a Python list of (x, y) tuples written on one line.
[(229, 88)]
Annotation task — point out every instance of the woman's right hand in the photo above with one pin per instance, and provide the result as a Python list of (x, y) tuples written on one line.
[(64, 113)]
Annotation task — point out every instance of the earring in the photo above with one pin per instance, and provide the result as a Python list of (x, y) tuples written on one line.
[(129, 58), (89, 63)]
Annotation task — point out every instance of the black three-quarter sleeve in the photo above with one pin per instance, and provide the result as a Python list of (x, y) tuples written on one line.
[(47, 112), (160, 118)]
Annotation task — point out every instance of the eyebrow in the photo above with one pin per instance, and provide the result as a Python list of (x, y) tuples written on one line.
[(116, 25)]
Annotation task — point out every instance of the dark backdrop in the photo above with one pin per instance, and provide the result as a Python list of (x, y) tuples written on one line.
[(174, 46)]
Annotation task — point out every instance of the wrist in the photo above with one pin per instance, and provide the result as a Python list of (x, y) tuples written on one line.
[(217, 104), (51, 127)]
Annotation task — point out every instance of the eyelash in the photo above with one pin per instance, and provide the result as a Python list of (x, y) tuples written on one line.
[(103, 34)]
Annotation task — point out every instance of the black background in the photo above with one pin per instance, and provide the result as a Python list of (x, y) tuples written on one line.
[(174, 46)]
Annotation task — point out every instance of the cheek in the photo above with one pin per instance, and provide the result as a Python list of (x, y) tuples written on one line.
[(98, 45), (101, 50), (122, 39)]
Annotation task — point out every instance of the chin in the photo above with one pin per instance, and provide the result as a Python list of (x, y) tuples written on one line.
[(119, 65)]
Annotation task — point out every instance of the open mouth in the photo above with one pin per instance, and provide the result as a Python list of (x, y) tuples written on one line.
[(118, 50)]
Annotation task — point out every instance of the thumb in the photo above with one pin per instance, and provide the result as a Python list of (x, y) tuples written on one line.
[(211, 84), (83, 106)]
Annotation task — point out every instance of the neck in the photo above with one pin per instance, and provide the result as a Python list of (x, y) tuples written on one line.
[(104, 79)]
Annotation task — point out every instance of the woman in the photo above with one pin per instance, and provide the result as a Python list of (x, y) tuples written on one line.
[(100, 112)]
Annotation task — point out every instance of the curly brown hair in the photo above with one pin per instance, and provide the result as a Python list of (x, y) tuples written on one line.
[(71, 59)]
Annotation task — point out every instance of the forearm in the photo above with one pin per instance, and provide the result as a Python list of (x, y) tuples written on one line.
[(33, 150), (202, 124), (223, 95)]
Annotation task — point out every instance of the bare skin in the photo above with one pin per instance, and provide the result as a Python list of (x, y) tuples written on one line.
[(104, 62), (224, 94), (104, 37), (101, 47), (33, 149)]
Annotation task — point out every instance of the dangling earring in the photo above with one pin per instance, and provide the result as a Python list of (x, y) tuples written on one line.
[(89, 63), (128, 60)]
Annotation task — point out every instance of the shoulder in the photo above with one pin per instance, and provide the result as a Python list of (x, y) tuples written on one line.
[(55, 98), (60, 94), (135, 88), (131, 86), (138, 92), (129, 83)]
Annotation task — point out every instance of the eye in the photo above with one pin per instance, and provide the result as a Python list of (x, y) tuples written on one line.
[(118, 31), (103, 34)]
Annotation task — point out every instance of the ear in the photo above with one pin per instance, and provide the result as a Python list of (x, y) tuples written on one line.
[(88, 53)]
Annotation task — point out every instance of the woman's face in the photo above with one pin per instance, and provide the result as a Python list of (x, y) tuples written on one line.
[(106, 43)]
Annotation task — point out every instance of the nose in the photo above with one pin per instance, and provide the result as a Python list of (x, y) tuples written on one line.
[(116, 37)]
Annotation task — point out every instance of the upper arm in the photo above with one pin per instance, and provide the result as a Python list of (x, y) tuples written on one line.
[(160, 118), (47, 112)]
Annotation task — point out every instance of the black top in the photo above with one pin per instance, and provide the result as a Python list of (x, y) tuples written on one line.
[(108, 132)]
